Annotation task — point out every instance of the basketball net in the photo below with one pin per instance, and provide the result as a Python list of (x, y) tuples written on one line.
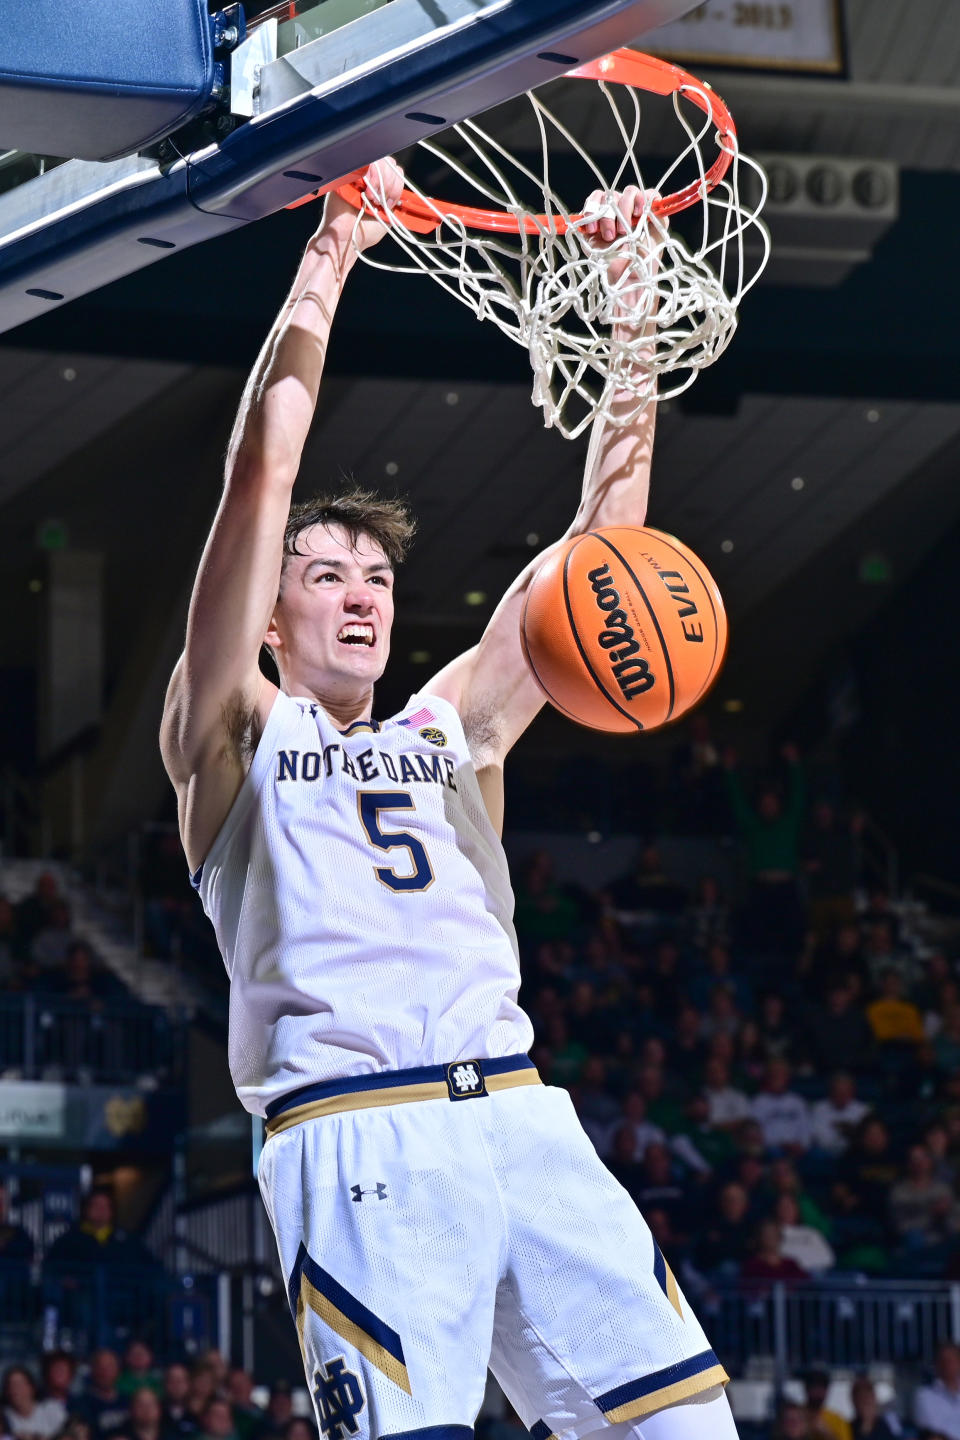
[(598, 346)]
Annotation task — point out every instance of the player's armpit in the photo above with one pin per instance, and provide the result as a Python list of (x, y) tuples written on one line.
[(491, 686)]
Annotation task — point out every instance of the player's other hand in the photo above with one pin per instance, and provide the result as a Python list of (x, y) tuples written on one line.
[(609, 214), (382, 187)]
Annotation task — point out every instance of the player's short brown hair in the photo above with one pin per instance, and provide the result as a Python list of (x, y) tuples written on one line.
[(388, 523)]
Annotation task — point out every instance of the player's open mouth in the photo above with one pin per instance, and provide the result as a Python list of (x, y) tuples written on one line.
[(356, 635)]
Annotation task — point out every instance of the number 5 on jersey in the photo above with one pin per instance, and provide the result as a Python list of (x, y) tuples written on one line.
[(369, 805)]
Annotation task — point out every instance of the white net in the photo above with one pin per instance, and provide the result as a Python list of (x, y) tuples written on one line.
[(602, 338)]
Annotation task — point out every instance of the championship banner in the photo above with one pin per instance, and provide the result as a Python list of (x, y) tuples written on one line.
[(803, 36), (97, 1117), (32, 1111)]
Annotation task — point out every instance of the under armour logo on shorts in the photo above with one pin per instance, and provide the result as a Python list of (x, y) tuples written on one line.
[(465, 1079), (339, 1400), (358, 1192)]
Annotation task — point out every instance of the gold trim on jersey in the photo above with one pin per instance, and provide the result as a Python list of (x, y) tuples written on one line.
[(669, 1395), (389, 1095), (673, 1290), (350, 1331)]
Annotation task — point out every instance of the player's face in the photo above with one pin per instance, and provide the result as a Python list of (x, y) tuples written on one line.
[(331, 626)]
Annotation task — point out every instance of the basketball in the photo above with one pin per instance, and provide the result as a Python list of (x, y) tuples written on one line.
[(624, 629)]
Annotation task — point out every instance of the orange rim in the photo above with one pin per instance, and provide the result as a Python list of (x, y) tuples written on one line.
[(622, 67)]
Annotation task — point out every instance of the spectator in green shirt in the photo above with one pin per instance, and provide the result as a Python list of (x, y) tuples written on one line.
[(139, 1371), (773, 918), (543, 911)]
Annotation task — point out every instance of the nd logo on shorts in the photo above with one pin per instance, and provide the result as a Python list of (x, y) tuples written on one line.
[(339, 1399), (465, 1079)]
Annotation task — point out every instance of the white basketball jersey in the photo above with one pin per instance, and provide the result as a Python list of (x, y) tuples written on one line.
[(362, 903)]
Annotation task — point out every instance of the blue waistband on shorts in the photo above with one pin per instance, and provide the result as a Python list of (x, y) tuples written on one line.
[(395, 1079), (459, 1080)]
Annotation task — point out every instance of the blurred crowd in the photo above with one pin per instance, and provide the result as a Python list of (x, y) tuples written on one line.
[(807, 1413), (775, 1079), (64, 1014), (771, 1071), (132, 1397), (93, 1237), (41, 954)]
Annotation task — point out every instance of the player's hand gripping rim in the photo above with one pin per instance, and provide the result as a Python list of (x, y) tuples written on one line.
[(610, 215), (382, 188)]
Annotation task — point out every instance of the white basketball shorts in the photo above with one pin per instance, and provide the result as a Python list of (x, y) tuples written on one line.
[(431, 1222)]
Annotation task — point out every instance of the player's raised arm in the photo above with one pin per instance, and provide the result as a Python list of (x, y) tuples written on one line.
[(491, 685), (218, 700)]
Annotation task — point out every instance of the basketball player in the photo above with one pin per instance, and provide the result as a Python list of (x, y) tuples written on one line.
[(436, 1208)]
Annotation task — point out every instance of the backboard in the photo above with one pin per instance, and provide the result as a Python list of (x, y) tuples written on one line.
[(314, 91)]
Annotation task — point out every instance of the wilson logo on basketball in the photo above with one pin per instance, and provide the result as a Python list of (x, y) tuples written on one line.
[(632, 675)]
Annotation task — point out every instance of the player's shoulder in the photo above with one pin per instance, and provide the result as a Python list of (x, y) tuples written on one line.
[(431, 716)]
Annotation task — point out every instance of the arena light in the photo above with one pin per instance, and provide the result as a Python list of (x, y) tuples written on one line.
[(825, 214)]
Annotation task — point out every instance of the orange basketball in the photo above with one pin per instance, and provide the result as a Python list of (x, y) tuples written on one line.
[(624, 628)]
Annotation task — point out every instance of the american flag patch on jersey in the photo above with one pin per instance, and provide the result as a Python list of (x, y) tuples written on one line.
[(422, 717)]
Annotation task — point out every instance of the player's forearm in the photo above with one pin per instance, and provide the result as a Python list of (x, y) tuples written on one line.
[(280, 397), (616, 477)]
